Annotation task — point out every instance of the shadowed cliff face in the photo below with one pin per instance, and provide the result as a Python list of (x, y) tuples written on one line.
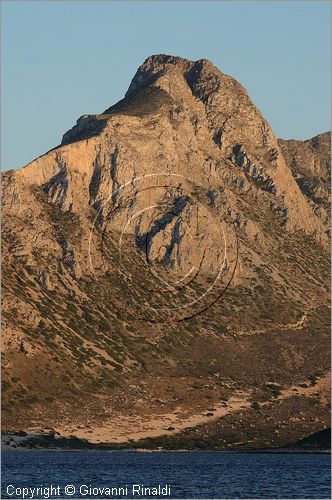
[(171, 237)]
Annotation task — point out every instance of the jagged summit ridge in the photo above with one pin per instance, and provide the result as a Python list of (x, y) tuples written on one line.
[(142, 93), (159, 64)]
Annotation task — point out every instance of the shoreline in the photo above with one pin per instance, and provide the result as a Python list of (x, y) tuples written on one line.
[(21, 441), (267, 451)]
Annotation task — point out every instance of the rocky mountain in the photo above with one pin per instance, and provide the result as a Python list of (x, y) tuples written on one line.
[(165, 272), (310, 163)]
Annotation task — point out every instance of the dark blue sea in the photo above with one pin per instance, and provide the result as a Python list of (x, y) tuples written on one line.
[(167, 475)]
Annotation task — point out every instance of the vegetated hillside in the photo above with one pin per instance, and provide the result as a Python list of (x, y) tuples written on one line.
[(166, 268)]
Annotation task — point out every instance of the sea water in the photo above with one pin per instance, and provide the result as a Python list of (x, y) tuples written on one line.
[(102, 474)]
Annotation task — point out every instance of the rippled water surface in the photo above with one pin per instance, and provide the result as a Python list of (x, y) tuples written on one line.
[(188, 474)]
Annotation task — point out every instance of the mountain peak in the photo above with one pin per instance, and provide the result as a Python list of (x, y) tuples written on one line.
[(159, 65), (219, 113), (157, 59), (160, 79)]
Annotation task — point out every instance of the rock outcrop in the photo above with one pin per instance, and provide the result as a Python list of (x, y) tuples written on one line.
[(310, 163)]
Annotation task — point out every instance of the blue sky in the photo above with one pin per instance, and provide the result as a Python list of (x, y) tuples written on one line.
[(62, 59)]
